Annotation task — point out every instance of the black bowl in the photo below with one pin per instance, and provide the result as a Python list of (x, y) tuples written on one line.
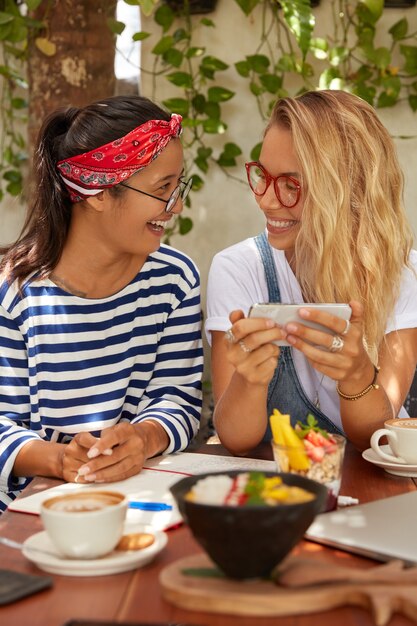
[(248, 542)]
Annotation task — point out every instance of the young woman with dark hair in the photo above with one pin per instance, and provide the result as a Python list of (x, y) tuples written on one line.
[(101, 358)]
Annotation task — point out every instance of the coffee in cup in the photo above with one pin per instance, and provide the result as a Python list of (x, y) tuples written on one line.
[(402, 438), (85, 524)]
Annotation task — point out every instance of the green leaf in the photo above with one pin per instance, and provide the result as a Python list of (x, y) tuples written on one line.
[(5, 18), (247, 6), (212, 63), (231, 149), (173, 57), (375, 7), (140, 36), (205, 152), (180, 35), (13, 176), (212, 110), (228, 156), (219, 94), (365, 92), (164, 16), (337, 55), (199, 103), (163, 45), (386, 100), (256, 89), (319, 47), (206, 22), (202, 164), (214, 127), (14, 189), (181, 79), (300, 21), (286, 63), (147, 6), (259, 63), (206, 72), (185, 225), (271, 82), (413, 102), (194, 52), (243, 68), (399, 30), (177, 105), (33, 4), (255, 153), (18, 103), (410, 55), (198, 182), (115, 26)]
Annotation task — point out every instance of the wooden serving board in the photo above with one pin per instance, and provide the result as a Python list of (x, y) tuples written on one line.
[(265, 598)]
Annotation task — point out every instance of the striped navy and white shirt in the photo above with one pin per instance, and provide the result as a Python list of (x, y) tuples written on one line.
[(70, 364)]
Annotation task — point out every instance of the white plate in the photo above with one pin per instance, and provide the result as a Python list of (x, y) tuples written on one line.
[(113, 563), (398, 469)]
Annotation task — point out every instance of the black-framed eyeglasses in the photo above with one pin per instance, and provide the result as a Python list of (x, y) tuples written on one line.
[(287, 189), (182, 190)]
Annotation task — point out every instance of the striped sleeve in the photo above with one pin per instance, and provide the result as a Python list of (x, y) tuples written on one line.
[(14, 404), (173, 397)]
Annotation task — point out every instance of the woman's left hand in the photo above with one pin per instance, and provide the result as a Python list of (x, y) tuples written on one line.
[(118, 454), (341, 355)]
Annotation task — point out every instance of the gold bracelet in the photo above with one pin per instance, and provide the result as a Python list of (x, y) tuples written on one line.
[(362, 393)]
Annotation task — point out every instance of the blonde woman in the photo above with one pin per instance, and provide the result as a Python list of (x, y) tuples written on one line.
[(329, 184)]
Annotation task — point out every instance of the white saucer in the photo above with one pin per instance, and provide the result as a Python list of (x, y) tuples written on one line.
[(113, 563), (398, 469)]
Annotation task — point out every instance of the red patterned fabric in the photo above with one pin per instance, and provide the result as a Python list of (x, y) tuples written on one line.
[(89, 173)]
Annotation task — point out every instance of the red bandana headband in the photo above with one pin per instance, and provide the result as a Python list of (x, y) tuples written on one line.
[(89, 173)]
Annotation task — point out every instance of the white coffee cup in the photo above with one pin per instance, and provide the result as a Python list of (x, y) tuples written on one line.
[(85, 524), (402, 438)]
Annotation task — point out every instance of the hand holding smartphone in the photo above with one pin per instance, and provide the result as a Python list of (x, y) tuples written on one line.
[(283, 314)]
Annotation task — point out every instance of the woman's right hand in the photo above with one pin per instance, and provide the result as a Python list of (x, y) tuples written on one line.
[(250, 347)]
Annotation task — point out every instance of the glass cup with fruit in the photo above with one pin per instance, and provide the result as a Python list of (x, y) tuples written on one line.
[(309, 451)]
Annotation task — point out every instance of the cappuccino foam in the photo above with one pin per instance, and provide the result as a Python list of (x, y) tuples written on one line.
[(83, 503), (410, 423)]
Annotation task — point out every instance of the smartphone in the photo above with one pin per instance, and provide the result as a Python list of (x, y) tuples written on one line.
[(284, 313)]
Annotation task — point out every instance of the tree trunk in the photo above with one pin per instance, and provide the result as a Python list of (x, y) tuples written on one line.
[(81, 68)]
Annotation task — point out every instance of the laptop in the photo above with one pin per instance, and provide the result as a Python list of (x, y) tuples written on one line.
[(382, 530)]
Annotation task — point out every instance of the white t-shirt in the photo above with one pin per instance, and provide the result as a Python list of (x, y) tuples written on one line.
[(237, 280)]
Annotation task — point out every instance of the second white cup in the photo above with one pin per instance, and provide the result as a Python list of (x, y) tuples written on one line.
[(402, 439)]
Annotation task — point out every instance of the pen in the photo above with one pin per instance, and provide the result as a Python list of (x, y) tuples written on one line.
[(149, 506)]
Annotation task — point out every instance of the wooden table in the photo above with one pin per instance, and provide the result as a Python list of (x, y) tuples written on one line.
[(136, 596)]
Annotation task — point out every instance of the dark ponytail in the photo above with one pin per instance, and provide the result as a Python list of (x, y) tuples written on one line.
[(66, 133)]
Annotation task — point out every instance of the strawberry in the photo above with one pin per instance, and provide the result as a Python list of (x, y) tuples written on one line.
[(315, 453), (316, 439)]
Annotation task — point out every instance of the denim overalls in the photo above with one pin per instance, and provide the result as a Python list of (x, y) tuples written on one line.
[(285, 391)]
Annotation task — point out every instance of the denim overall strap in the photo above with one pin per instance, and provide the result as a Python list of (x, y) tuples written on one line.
[(285, 391)]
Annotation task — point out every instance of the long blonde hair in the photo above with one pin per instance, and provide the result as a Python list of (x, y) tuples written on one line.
[(354, 238)]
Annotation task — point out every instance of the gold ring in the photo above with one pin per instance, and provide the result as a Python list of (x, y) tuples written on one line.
[(345, 332), (337, 344), (244, 347)]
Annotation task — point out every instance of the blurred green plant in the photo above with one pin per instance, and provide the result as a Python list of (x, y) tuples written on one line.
[(289, 58), (15, 28)]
